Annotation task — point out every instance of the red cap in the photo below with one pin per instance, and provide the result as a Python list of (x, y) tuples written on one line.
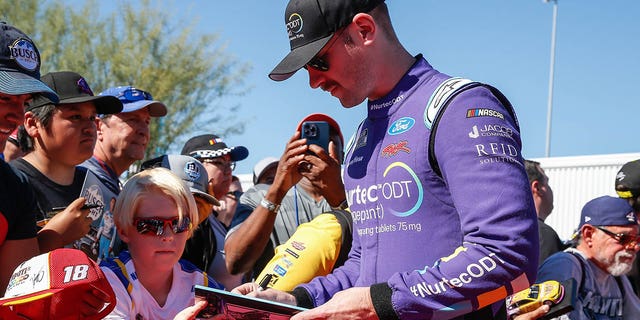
[(51, 285), (322, 117)]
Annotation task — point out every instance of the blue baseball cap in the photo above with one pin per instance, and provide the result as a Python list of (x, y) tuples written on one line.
[(20, 64), (134, 99), (608, 211)]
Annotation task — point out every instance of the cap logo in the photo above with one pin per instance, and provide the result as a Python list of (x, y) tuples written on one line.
[(587, 219), (294, 26), (192, 170), (19, 277), (25, 55), (620, 176), (215, 140), (84, 86), (631, 216)]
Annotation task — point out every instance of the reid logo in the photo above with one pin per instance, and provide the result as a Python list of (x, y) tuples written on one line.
[(401, 125)]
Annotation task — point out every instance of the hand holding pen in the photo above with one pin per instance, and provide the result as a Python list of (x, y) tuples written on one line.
[(264, 283), (69, 224), (56, 210)]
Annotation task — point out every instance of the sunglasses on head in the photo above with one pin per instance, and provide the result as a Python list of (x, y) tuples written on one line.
[(133, 95), (156, 225), (622, 238)]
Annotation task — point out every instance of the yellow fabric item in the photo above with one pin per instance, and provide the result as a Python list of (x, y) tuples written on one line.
[(311, 251)]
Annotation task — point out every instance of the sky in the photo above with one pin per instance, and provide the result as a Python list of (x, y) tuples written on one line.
[(505, 43)]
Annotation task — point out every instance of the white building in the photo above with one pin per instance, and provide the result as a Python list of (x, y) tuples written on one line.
[(575, 181)]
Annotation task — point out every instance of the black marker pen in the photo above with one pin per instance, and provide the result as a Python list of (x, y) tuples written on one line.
[(265, 282)]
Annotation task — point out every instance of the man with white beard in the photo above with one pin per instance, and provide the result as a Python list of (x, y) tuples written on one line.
[(606, 248)]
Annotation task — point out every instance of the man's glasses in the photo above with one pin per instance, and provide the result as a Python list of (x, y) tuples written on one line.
[(623, 239), (133, 95), (219, 163), (156, 225), (235, 195), (319, 62)]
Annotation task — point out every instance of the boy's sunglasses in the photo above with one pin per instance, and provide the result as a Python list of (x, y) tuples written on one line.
[(157, 225)]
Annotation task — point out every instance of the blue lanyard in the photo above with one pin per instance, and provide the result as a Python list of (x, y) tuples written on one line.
[(295, 201)]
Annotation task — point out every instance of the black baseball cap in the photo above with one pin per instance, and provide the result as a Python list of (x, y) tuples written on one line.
[(20, 64), (310, 25), (212, 146), (627, 182), (73, 88)]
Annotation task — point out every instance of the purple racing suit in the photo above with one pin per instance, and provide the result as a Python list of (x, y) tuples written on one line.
[(435, 246)]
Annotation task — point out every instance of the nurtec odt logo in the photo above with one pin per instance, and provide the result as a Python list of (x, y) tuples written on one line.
[(294, 25), (25, 55)]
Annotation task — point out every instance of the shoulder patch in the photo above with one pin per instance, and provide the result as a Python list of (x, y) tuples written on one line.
[(440, 96)]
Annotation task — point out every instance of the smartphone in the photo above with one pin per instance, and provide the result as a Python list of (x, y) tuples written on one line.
[(316, 132)]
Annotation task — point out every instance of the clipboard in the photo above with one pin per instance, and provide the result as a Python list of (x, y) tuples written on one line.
[(236, 306)]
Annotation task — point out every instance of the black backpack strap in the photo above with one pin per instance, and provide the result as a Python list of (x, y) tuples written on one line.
[(346, 226), (440, 100), (575, 255)]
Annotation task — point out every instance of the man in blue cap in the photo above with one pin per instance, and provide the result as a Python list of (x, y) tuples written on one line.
[(606, 248), (123, 137)]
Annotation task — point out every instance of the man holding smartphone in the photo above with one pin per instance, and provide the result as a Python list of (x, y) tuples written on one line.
[(301, 191)]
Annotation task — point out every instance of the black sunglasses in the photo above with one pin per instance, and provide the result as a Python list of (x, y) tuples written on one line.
[(156, 225), (319, 62), (235, 195), (623, 239)]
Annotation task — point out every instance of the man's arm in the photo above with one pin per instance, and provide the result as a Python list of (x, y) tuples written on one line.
[(325, 174), (14, 252), (244, 246)]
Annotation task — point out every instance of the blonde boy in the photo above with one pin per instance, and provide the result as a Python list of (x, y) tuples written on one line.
[(154, 215)]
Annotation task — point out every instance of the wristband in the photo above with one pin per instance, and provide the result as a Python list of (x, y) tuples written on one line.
[(269, 205)]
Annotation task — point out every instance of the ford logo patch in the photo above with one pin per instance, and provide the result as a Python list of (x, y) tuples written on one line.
[(401, 125)]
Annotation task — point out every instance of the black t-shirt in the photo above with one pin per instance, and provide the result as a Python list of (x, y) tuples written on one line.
[(17, 205), (200, 249), (550, 243), (48, 193)]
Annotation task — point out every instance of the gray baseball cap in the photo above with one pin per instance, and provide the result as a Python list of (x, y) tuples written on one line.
[(190, 170)]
